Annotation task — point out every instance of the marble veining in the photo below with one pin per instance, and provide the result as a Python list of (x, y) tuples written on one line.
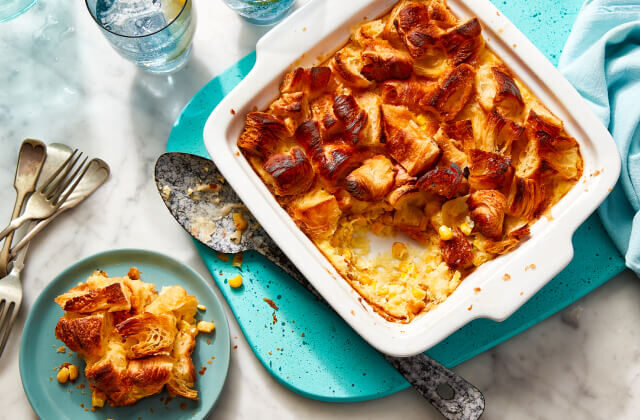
[(61, 82)]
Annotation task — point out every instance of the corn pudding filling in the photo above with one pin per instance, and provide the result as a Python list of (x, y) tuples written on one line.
[(416, 130)]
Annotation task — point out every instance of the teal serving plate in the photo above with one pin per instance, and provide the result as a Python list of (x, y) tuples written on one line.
[(39, 358)]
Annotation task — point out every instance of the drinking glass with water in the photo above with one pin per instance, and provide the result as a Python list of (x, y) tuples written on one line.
[(261, 12), (154, 34)]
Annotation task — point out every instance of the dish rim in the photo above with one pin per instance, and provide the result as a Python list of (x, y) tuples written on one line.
[(531, 67), (34, 403)]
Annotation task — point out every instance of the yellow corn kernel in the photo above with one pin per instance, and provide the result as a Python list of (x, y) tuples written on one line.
[(236, 281), (63, 375), (399, 250), (98, 398), (418, 293), (365, 280), (73, 372), (382, 291), (205, 326), (238, 220), (466, 228), (421, 120), (201, 307), (445, 233)]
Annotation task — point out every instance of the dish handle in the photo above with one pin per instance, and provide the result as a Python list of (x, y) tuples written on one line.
[(552, 254)]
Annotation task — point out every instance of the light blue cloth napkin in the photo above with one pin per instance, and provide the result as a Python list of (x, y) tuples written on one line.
[(602, 60)]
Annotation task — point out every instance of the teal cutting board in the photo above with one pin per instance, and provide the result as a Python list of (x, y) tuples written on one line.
[(306, 346)]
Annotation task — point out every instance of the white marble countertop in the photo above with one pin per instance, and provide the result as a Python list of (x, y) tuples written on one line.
[(61, 81)]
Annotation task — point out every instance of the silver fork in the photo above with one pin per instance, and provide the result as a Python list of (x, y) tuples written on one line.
[(48, 198), (11, 297)]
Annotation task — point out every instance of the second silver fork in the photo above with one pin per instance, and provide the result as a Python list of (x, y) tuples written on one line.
[(50, 196)]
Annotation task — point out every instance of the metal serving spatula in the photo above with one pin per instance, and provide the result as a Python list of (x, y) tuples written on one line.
[(207, 216)]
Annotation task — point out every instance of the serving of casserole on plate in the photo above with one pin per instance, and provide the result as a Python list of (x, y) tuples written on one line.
[(407, 159)]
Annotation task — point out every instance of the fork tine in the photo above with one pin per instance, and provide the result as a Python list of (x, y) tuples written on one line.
[(10, 315), (3, 304), (3, 312), (55, 174), (59, 185), (77, 178)]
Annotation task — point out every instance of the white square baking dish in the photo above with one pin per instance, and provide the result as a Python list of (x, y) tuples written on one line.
[(320, 28)]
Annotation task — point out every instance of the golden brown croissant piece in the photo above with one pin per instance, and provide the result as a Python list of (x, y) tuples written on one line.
[(525, 197), (489, 171), (153, 335), (487, 211), (406, 142), (371, 181), (85, 335), (262, 133), (131, 353), (464, 42), (291, 173), (312, 81), (447, 182), (353, 119), (317, 213), (383, 62), (456, 251), (347, 65), (112, 297)]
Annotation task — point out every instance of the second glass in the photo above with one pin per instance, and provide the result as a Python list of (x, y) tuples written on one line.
[(154, 34), (261, 12)]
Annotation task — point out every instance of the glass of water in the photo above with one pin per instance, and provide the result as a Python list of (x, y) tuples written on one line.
[(261, 12), (154, 34)]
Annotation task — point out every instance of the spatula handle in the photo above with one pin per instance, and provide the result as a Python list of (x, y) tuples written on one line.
[(449, 393)]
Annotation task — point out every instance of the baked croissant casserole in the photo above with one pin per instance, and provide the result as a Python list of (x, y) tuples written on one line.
[(414, 130), (134, 341)]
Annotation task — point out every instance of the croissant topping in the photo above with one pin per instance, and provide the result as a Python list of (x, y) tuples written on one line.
[(153, 334), (413, 128), (489, 171), (447, 182), (413, 25), (347, 64), (84, 335), (317, 213), (487, 211), (453, 92), (291, 172), (405, 142), (311, 82), (371, 181), (383, 62), (353, 118), (456, 251), (141, 353), (113, 297), (293, 108), (262, 133), (525, 197), (464, 42)]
